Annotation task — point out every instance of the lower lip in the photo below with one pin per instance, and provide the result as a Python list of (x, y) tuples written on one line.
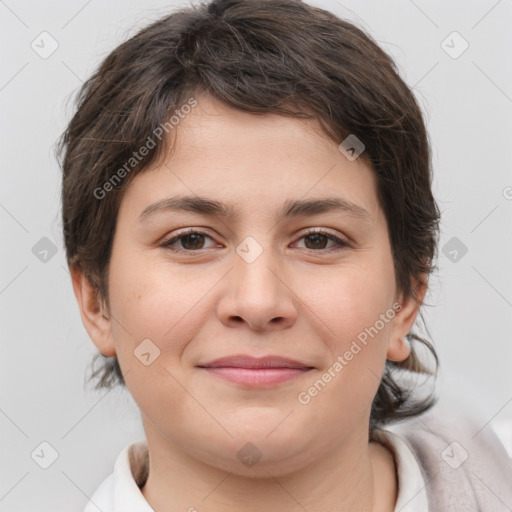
[(257, 376)]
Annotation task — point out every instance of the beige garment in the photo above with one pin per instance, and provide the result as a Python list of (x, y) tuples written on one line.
[(464, 464)]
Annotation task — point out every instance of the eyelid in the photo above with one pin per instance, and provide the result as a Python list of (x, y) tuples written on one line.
[(341, 241), (181, 233), (323, 231)]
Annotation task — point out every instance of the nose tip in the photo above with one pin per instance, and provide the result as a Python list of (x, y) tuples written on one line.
[(257, 297)]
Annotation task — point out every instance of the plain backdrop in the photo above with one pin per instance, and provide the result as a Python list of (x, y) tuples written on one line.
[(467, 100)]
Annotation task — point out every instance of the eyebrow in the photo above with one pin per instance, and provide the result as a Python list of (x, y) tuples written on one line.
[(291, 208)]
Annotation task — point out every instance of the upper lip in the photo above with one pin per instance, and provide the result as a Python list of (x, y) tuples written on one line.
[(245, 361)]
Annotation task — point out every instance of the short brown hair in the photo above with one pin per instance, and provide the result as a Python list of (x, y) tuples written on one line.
[(259, 56)]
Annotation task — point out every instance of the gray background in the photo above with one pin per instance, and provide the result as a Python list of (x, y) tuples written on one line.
[(45, 349)]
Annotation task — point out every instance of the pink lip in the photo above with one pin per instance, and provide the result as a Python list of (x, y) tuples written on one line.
[(251, 371)]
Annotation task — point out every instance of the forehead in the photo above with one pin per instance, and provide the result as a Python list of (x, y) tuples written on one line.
[(214, 130), (254, 160), (214, 121)]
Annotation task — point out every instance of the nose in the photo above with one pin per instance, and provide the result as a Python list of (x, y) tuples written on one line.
[(257, 295)]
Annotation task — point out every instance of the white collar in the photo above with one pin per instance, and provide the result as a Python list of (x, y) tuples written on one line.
[(119, 492), (412, 491)]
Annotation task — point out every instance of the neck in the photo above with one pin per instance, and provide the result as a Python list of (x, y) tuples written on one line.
[(354, 476)]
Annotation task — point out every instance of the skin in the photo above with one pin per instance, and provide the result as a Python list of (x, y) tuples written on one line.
[(294, 300)]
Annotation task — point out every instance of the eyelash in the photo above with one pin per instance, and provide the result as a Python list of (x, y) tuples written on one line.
[(341, 244)]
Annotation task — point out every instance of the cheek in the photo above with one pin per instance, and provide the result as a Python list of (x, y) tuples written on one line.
[(152, 300), (153, 322), (148, 295), (349, 302), (349, 306)]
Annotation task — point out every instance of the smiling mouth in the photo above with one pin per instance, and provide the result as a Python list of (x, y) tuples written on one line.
[(257, 376), (256, 372)]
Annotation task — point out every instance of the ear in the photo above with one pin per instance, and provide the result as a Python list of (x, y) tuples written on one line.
[(398, 348), (95, 317)]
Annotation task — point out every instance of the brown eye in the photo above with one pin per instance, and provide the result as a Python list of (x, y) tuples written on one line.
[(316, 241), (190, 241)]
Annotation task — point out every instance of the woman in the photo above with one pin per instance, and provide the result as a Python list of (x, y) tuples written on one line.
[(250, 228)]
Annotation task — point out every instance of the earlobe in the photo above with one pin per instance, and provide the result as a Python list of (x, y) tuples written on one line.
[(94, 314), (399, 347)]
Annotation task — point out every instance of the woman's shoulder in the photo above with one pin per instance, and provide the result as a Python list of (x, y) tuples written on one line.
[(465, 465)]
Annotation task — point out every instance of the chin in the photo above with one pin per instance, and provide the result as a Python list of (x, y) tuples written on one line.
[(262, 455)]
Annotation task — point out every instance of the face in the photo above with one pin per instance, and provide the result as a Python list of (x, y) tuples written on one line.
[(265, 278)]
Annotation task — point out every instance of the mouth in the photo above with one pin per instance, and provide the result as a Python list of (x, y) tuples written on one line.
[(256, 372)]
